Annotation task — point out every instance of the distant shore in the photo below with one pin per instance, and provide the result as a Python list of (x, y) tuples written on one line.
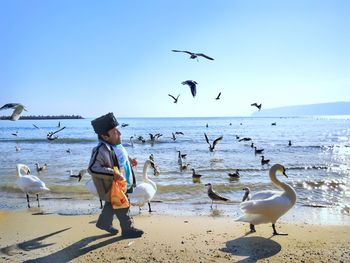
[(47, 117)]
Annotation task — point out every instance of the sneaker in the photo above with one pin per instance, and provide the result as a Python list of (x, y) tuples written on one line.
[(132, 232), (111, 230)]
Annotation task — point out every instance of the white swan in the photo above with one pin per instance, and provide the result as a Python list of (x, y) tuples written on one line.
[(29, 184), (268, 206), (145, 191), (90, 186)]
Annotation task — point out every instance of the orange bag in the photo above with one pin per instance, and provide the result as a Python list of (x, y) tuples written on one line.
[(118, 190), (118, 197)]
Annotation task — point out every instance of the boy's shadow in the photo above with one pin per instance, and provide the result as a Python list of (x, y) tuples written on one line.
[(65, 255), (254, 248)]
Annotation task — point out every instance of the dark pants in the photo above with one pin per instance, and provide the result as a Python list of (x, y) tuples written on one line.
[(106, 217)]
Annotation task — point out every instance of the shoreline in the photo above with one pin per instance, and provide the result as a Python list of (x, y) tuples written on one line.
[(40, 237)]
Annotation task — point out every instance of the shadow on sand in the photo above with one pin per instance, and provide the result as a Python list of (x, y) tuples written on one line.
[(254, 248), (77, 249), (65, 255)]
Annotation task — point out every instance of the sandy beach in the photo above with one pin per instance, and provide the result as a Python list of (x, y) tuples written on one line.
[(31, 236)]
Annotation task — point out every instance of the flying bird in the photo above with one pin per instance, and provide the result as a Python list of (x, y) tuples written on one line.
[(192, 84), (215, 142), (246, 139), (193, 55), (218, 97), (175, 99), (18, 108), (256, 105)]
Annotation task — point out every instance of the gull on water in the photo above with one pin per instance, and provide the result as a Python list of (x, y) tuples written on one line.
[(29, 184), (18, 109), (264, 161), (268, 206), (40, 168), (193, 55), (214, 196), (234, 175), (258, 151), (192, 84)]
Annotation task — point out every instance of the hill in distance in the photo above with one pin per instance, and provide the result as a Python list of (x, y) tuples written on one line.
[(333, 108)]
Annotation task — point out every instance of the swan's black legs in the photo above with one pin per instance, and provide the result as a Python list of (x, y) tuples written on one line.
[(275, 232), (101, 206), (28, 201), (149, 207), (252, 228), (37, 199)]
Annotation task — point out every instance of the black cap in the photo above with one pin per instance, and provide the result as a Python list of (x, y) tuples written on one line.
[(104, 123)]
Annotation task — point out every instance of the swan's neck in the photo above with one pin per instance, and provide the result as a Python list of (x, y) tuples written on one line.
[(145, 176), (19, 168), (288, 190)]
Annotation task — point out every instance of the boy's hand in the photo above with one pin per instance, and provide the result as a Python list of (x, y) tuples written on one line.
[(117, 176)]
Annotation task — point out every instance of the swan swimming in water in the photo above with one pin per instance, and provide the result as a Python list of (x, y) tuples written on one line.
[(268, 206), (29, 184), (145, 191)]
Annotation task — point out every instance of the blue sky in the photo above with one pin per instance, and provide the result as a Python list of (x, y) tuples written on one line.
[(92, 57)]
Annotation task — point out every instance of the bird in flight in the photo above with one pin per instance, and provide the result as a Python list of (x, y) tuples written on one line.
[(175, 99), (215, 142), (218, 96), (193, 55), (256, 105), (18, 108), (192, 84)]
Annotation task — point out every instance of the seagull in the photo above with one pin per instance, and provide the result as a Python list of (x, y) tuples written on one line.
[(218, 97), (125, 125), (195, 175), (192, 84), (59, 125), (193, 55), (214, 196), (175, 99), (258, 151), (245, 139), (234, 175), (289, 143), (215, 142), (263, 161), (273, 124), (40, 168), (256, 105), (50, 136), (179, 133), (247, 195), (18, 108)]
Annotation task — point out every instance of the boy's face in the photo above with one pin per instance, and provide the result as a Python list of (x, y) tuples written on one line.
[(114, 136)]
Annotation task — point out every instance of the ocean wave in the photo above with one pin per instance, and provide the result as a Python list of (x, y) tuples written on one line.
[(44, 140)]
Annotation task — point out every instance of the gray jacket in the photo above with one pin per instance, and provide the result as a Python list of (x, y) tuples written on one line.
[(102, 160)]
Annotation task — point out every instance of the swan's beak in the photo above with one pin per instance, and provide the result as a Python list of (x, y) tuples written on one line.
[(156, 171), (79, 176), (284, 173), (28, 172)]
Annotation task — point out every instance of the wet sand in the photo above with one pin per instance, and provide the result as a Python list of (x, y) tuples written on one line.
[(27, 236)]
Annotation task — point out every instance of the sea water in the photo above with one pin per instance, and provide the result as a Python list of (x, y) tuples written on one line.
[(317, 163)]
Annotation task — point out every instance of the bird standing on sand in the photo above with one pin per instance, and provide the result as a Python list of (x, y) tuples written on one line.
[(175, 99), (214, 196), (193, 55), (218, 96), (18, 109), (192, 84), (247, 195), (215, 142), (256, 105), (268, 206)]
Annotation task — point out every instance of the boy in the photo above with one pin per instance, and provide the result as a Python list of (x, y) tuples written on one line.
[(105, 156)]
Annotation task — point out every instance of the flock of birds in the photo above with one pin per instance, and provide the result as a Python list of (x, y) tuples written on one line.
[(260, 208)]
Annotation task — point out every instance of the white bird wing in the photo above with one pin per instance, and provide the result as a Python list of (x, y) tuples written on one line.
[(142, 194), (274, 204), (17, 112), (264, 195), (31, 184)]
